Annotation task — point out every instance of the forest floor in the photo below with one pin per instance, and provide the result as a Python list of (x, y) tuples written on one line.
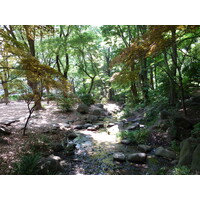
[(94, 149)]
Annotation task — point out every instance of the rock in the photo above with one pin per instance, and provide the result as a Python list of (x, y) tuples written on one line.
[(144, 148), (4, 141), (137, 120), (182, 122), (111, 124), (48, 166), (72, 135), (92, 118), (126, 141), (100, 124), (96, 111), (99, 105), (174, 162), (165, 114), (181, 128), (79, 127), (83, 109), (55, 157), (71, 146), (57, 147), (134, 127), (119, 157), (87, 125), (187, 148), (93, 128), (165, 153), (196, 159), (137, 157), (4, 131)]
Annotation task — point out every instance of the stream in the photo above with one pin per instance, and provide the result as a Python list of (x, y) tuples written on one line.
[(94, 154)]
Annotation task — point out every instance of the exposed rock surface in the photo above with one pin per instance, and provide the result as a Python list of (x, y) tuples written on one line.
[(144, 148), (137, 157), (83, 109), (165, 153), (119, 157), (196, 159), (187, 148)]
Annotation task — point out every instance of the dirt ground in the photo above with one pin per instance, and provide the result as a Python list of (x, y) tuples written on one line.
[(13, 116)]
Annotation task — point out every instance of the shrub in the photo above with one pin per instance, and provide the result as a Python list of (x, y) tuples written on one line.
[(87, 99), (138, 136), (66, 103), (27, 165), (196, 130), (183, 170)]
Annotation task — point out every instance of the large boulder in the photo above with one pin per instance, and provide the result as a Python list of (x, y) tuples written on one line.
[(196, 159), (99, 105), (187, 148), (83, 109), (57, 147), (137, 157), (181, 128), (165, 153)]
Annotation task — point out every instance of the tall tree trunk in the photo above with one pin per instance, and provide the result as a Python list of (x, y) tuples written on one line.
[(144, 79), (175, 63), (33, 84)]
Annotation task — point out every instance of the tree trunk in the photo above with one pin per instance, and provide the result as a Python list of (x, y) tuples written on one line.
[(33, 84), (144, 80)]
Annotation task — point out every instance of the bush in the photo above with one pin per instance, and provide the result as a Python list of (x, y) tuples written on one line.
[(137, 136), (196, 131), (27, 165), (87, 99), (183, 170), (66, 103)]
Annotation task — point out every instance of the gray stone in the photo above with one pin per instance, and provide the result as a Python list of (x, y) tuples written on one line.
[(92, 118), (57, 147), (100, 124), (71, 146), (126, 141), (79, 127), (4, 141), (83, 109), (165, 153), (55, 157), (96, 111), (144, 148), (93, 128), (72, 135), (196, 159), (137, 157), (111, 124), (99, 105), (48, 166), (133, 127), (4, 131), (187, 148), (119, 157), (87, 125)]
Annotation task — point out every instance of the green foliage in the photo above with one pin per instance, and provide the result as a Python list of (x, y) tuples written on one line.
[(183, 170), (27, 164), (66, 103), (196, 130), (175, 146), (138, 136), (87, 99)]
